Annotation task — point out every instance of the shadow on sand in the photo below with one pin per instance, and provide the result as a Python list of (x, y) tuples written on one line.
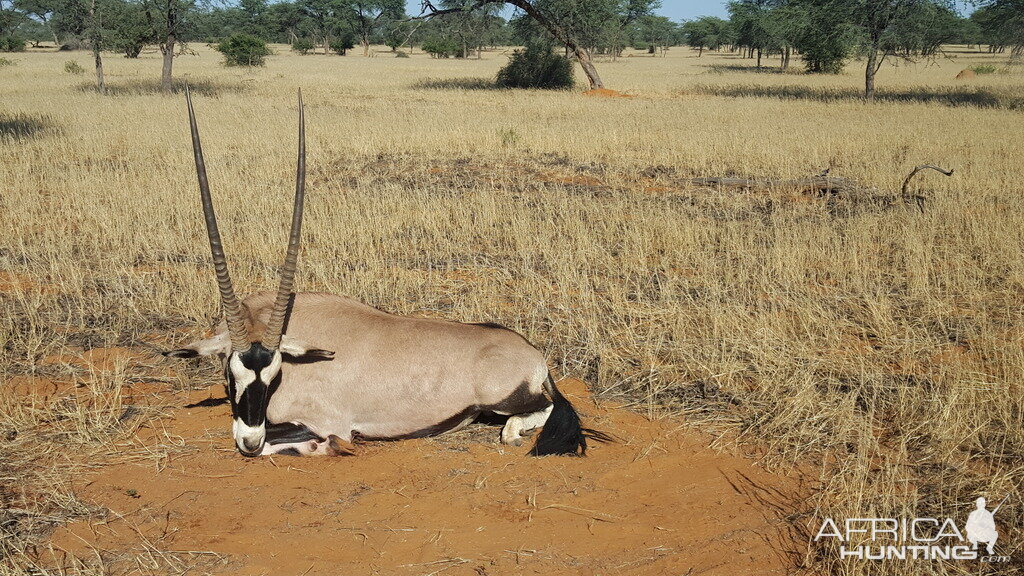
[(199, 86), (20, 126), (764, 69), (456, 84), (972, 96)]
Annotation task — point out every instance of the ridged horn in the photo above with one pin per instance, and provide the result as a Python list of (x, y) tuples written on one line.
[(232, 307), (275, 326)]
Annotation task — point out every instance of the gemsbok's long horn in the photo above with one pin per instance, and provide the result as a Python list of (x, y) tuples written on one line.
[(230, 303), (275, 326)]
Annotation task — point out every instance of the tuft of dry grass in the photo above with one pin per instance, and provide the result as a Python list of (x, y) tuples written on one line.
[(52, 433), (871, 341)]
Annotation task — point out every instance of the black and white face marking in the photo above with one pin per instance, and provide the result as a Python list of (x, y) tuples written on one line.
[(250, 375)]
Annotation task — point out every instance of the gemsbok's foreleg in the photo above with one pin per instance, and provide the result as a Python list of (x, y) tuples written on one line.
[(294, 439)]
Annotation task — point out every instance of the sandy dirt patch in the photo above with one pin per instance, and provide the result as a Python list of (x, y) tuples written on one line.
[(655, 502)]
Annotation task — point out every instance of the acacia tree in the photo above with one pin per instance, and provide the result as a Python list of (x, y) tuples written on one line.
[(602, 26), (10, 20), (750, 21), (169, 22), (877, 20), (286, 17), (925, 31), (825, 31), (1002, 24), (883, 25), (473, 28), (823, 36), (254, 17), (41, 10), (535, 10), (657, 32), (368, 15), (325, 18), (706, 32), (90, 19)]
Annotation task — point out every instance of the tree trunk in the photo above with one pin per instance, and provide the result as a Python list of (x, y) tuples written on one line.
[(758, 58), (700, 50), (95, 39), (558, 32), (101, 82), (869, 74), (167, 48)]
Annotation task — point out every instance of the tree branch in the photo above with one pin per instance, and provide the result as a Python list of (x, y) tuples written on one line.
[(906, 181), (428, 10)]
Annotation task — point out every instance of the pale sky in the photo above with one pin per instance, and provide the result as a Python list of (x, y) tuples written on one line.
[(675, 9)]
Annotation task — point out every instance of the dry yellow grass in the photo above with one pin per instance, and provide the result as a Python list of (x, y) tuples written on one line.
[(878, 343)]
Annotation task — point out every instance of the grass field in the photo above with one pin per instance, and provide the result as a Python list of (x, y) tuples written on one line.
[(872, 347)]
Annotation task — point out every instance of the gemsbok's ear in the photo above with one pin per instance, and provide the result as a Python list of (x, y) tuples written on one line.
[(219, 344), (298, 349)]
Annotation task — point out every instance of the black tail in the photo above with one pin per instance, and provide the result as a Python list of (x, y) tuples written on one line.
[(562, 433)]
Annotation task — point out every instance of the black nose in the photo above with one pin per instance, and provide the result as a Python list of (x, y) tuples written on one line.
[(250, 448)]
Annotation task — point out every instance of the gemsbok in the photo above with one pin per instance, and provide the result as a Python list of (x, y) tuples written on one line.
[(308, 373)]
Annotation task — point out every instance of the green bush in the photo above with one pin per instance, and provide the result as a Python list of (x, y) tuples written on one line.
[(823, 55), (11, 43), (984, 69), (243, 50), (303, 45), (72, 67), (537, 66), (343, 44), (825, 39), (130, 47), (440, 47), (401, 54), (6, 62)]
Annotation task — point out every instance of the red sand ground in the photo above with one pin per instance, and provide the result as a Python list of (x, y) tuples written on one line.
[(656, 502)]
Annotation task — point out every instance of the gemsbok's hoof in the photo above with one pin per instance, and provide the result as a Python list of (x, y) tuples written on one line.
[(339, 447)]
